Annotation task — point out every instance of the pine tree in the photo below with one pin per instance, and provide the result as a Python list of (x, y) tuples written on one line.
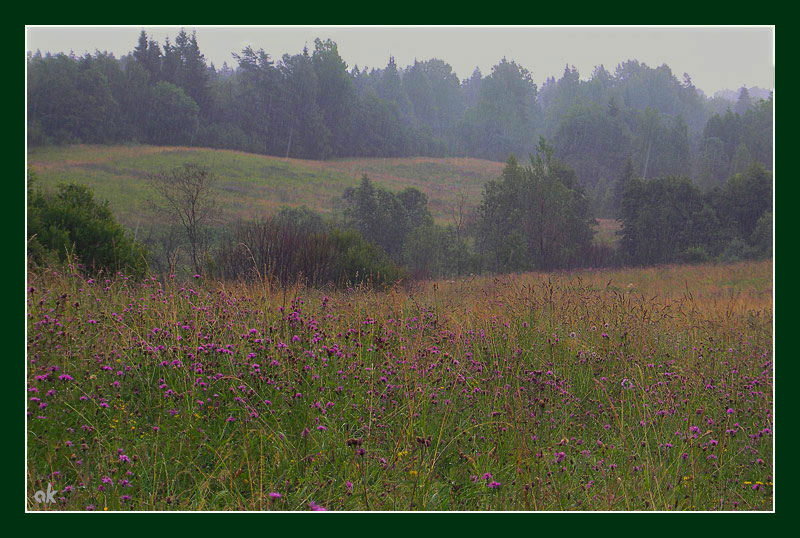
[(743, 103)]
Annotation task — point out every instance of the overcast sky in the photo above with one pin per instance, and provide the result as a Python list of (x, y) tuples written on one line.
[(715, 57)]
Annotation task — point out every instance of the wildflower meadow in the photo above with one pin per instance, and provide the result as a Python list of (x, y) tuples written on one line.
[(640, 389)]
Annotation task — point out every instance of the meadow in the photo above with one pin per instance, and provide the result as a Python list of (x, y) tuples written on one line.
[(629, 389), (253, 185)]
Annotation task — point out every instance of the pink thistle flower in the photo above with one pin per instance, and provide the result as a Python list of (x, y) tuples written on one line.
[(317, 508)]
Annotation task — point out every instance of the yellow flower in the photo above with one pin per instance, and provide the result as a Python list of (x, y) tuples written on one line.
[(412, 473)]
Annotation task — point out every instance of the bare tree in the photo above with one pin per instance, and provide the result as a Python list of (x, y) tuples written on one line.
[(185, 195), (459, 215), (458, 210)]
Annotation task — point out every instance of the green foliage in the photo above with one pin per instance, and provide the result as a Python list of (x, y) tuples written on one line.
[(301, 218), (336, 101), (70, 100), (638, 121), (619, 187), (71, 223), (662, 218), (173, 116), (357, 260), (761, 239), (383, 217), (309, 134), (425, 251), (731, 141), (504, 119), (535, 217), (735, 251), (695, 255), (593, 142), (288, 249), (744, 199), (661, 146), (668, 219)]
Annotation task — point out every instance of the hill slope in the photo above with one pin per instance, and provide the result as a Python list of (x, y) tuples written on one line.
[(253, 185)]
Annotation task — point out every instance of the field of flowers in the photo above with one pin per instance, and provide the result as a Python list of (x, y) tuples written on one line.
[(648, 389)]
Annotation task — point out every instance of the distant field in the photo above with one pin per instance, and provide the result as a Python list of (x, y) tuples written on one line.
[(254, 185)]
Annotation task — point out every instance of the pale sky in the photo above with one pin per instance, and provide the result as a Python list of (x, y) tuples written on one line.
[(715, 57)]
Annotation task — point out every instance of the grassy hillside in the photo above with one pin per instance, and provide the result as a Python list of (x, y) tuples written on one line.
[(252, 185)]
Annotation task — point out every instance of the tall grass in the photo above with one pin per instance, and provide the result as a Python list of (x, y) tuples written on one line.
[(645, 389)]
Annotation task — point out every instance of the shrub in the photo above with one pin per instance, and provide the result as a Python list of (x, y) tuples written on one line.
[(279, 249), (695, 255), (71, 222), (303, 218), (761, 238), (357, 260), (735, 251)]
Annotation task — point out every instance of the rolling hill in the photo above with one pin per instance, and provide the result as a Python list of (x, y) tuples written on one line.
[(253, 185)]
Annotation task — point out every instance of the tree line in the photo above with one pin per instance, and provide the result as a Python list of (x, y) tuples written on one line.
[(313, 105)]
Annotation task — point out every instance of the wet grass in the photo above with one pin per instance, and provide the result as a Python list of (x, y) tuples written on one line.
[(636, 389)]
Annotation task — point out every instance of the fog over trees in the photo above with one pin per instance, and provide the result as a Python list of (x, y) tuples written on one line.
[(313, 105)]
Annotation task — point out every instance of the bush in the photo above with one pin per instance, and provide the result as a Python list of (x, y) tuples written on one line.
[(302, 218), (735, 251), (357, 260), (761, 239), (71, 222), (279, 249), (695, 255)]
